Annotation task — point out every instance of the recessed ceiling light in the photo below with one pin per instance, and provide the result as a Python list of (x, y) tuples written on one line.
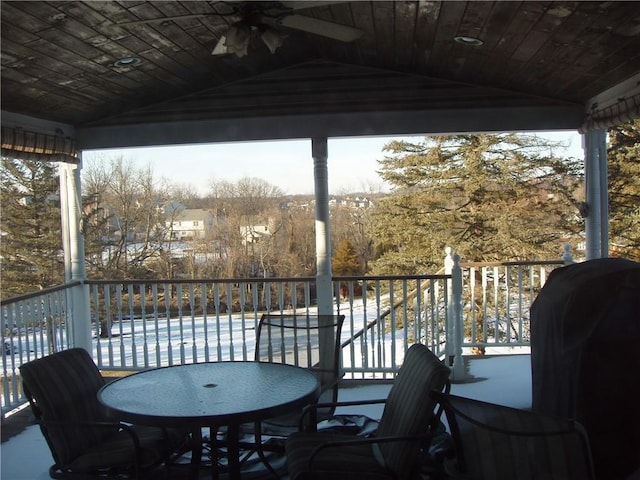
[(127, 62), (57, 17), (472, 41)]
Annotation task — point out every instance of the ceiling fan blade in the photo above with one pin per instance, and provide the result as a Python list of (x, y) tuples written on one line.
[(221, 47), (316, 26)]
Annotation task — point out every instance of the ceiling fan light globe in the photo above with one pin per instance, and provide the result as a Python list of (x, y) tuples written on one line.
[(271, 38), (237, 39)]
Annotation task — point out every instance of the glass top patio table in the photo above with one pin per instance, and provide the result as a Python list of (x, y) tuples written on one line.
[(210, 395)]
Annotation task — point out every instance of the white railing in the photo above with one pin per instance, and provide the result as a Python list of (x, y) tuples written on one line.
[(34, 325), (144, 324), (496, 301)]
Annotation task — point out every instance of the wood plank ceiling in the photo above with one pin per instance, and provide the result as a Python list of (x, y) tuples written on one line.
[(541, 65)]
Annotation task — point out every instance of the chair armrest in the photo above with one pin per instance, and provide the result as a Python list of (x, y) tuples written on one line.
[(115, 426), (89, 424), (311, 410), (364, 441)]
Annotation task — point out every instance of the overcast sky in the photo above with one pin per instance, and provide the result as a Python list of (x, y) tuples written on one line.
[(352, 162)]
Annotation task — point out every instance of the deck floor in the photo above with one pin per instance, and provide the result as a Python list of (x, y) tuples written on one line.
[(502, 379)]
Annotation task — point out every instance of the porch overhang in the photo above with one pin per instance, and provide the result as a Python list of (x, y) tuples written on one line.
[(331, 125), (540, 66)]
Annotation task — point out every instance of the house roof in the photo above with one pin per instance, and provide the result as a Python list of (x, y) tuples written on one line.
[(70, 70), (193, 214)]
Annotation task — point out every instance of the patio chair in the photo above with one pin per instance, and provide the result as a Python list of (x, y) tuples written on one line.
[(494, 442), (296, 340), (404, 429), (62, 391)]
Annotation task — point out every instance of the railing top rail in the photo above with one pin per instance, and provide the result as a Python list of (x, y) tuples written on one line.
[(511, 263), (197, 280), (263, 280), (39, 293), (426, 276)]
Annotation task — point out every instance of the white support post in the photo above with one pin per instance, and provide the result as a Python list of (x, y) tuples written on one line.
[(63, 176), (455, 324), (324, 285), (458, 369), (596, 191), (448, 268), (79, 324)]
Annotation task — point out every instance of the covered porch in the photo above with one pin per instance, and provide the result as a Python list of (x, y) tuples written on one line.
[(156, 74), (80, 76)]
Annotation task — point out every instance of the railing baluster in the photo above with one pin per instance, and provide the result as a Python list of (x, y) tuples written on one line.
[(280, 296), (496, 302), (168, 288), (205, 322), (230, 321), (192, 311), (405, 318), (380, 331), (417, 312), (472, 303), (9, 366), (180, 321), (60, 326), (307, 297), (507, 295), (120, 318), (132, 326), (31, 319), (43, 334), (108, 323), (216, 302), (485, 306), (156, 323), (95, 309), (143, 318)]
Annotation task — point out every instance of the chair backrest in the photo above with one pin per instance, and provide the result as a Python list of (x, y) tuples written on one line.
[(308, 341), (494, 442), (62, 387), (409, 409)]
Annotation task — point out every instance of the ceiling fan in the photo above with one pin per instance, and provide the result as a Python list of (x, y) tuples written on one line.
[(262, 18)]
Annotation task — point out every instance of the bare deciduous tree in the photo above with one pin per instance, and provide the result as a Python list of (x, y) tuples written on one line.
[(135, 232)]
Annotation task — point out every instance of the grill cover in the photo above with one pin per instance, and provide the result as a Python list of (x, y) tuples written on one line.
[(585, 357)]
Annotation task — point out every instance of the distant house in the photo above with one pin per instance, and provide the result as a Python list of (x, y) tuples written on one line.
[(254, 233), (350, 202), (190, 224)]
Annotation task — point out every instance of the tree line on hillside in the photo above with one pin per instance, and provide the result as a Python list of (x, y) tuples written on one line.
[(492, 197)]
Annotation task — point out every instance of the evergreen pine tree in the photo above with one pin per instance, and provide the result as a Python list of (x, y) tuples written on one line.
[(623, 159), (345, 260), (31, 246), (490, 197)]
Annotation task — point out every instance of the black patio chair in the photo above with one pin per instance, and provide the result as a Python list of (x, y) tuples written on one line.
[(62, 391), (297, 340), (307, 341), (495, 442), (404, 430)]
